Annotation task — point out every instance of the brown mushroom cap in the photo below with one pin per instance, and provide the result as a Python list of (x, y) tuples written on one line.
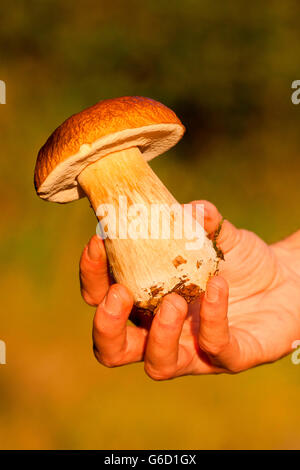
[(108, 126)]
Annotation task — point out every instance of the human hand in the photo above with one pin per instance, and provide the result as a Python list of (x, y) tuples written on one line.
[(249, 315)]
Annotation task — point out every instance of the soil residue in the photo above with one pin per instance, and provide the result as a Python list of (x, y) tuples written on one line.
[(178, 261), (189, 292)]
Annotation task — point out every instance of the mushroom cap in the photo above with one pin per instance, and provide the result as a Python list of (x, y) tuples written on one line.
[(108, 126)]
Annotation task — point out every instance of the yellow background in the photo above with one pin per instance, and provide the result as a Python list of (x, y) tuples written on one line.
[(227, 72)]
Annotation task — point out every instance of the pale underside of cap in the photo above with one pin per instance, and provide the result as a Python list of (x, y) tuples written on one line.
[(152, 140)]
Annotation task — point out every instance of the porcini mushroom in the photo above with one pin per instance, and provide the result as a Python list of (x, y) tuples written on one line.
[(102, 153)]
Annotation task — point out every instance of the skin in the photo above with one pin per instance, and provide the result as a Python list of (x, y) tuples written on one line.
[(249, 315)]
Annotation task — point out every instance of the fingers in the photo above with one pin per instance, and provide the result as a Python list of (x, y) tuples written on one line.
[(115, 343), (229, 235), (212, 216), (161, 355), (214, 334), (214, 331), (94, 279)]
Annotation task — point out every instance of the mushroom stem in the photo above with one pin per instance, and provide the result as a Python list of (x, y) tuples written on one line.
[(133, 207)]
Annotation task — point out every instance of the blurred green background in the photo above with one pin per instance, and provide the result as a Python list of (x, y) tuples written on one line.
[(226, 69)]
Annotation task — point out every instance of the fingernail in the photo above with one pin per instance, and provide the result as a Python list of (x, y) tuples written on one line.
[(93, 250), (113, 302), (168, 312), (212, 292)]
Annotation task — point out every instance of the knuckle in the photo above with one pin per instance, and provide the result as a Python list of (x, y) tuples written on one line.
[(159, 340), (164, 327), (208, 316), (100, 328), (106, 361), (213, 349), (89, 269), (88, 298), (159, 375), (107, 325), (234, 369), (105, 333), (85, 266), (212, 317)]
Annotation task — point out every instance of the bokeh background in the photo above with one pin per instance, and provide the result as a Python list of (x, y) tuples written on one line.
[(226, 69)]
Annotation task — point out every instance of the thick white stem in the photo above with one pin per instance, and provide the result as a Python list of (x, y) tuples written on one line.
[(140, 258)]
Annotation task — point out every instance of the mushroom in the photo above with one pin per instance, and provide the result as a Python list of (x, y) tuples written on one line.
[(102, 153)]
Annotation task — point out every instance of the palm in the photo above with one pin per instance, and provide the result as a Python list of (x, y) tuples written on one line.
[(258, 305)]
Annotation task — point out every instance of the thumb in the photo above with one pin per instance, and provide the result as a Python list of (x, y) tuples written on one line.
[(221, 231), (228, 237)]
